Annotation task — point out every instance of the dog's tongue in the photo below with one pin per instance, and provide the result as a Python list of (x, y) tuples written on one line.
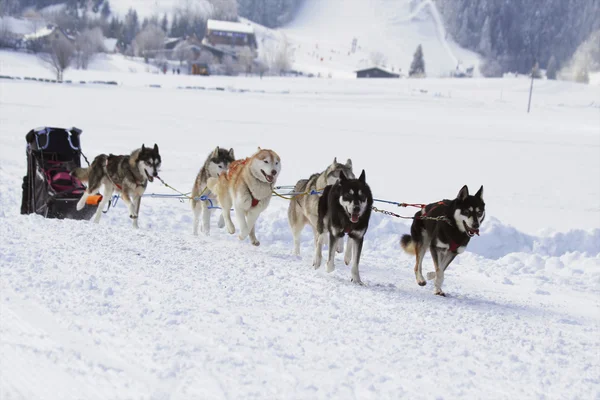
[(354, 218)]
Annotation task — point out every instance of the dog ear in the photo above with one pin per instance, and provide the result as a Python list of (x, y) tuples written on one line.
[(349, 163), (231, 154), (362, 178), (215, 152), (334, 160), (463, 194), (143, 148), (343, 177), (480, 193), (155, 148)]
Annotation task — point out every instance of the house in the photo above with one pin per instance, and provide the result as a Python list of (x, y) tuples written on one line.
[(230, 37), (42, 38), (375, 72)]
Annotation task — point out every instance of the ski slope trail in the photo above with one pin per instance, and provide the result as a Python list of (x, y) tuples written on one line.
[(104, 311), (323, 31)]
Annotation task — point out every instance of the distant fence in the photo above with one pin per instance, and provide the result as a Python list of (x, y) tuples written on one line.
[(154, 86)]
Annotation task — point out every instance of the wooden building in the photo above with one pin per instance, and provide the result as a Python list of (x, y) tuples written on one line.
[(230, 37), (375, 72)]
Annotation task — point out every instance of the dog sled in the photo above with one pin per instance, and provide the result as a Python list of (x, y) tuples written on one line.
[(48, 188)]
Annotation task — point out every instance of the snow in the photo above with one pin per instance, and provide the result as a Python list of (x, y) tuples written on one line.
[(323, 31), (151, 8), (40, 33), (104, 311), (227, 26)]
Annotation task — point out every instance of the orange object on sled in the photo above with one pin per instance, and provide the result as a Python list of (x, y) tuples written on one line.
[(94, 200)]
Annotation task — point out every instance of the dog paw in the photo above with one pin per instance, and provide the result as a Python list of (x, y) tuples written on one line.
[(256, 243), (330, 267), (438, 292), (421, 283), (347, 259), (231, 230), (221, 223), (357, 281), (317, 263)]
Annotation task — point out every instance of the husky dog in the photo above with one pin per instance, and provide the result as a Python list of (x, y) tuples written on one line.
[(304, 209), (344, 208), (216, 163), (445, 238), (247, 186), (128, 175)]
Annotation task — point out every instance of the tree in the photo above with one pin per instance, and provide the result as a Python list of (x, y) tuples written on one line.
[(246, 59), (551, 68), (224, 9), (582, 75), (58, 56), (417, 67), (182, 52), (88, 44), (230, 65), (164, 23), (105, 10), (281, 58), (378, 58), (149, 42), (131, 26)]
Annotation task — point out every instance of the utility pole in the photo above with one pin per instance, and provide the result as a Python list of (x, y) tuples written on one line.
[(533, 72)]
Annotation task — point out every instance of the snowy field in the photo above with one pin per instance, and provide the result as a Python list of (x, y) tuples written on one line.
[(105, 312)]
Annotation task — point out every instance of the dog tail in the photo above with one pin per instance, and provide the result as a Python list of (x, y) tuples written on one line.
[(83, 174), (408, 244)]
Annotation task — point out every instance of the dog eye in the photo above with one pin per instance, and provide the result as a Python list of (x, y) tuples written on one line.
[(266, 162)]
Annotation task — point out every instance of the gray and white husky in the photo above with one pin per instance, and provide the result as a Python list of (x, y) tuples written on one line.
[(216, 163), (304, 209), (126, 174)]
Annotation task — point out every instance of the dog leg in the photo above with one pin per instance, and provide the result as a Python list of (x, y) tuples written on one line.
[(420, 250), (221, 223), (333, 239), (296, 233), (137, 200), (357, 245), (240, 216), (348, 255), (251, 218), (226, 204), (442, 259), (206, 212), (108, 192), (197, 211), (340, 246), (252, 236), (82, 201), (318, 250)]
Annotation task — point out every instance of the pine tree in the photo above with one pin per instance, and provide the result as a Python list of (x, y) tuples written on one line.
[(105, 11), (164, 24), (417, 67), (551, 68)]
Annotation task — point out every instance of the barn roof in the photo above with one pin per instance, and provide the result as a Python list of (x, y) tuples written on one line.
[(374, 68), (227, 26)]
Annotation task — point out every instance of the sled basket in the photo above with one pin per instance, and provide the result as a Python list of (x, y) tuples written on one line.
[(48, 188)]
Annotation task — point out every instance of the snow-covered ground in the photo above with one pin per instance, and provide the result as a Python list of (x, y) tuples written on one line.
[(103, 311), (322, 34)]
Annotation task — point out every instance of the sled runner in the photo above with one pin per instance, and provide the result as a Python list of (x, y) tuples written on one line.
[(48, 188)]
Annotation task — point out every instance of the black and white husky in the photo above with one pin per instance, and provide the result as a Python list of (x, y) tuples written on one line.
[(459, 220), (304, 209), (216, 163), (344, 208), (126, 174)]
